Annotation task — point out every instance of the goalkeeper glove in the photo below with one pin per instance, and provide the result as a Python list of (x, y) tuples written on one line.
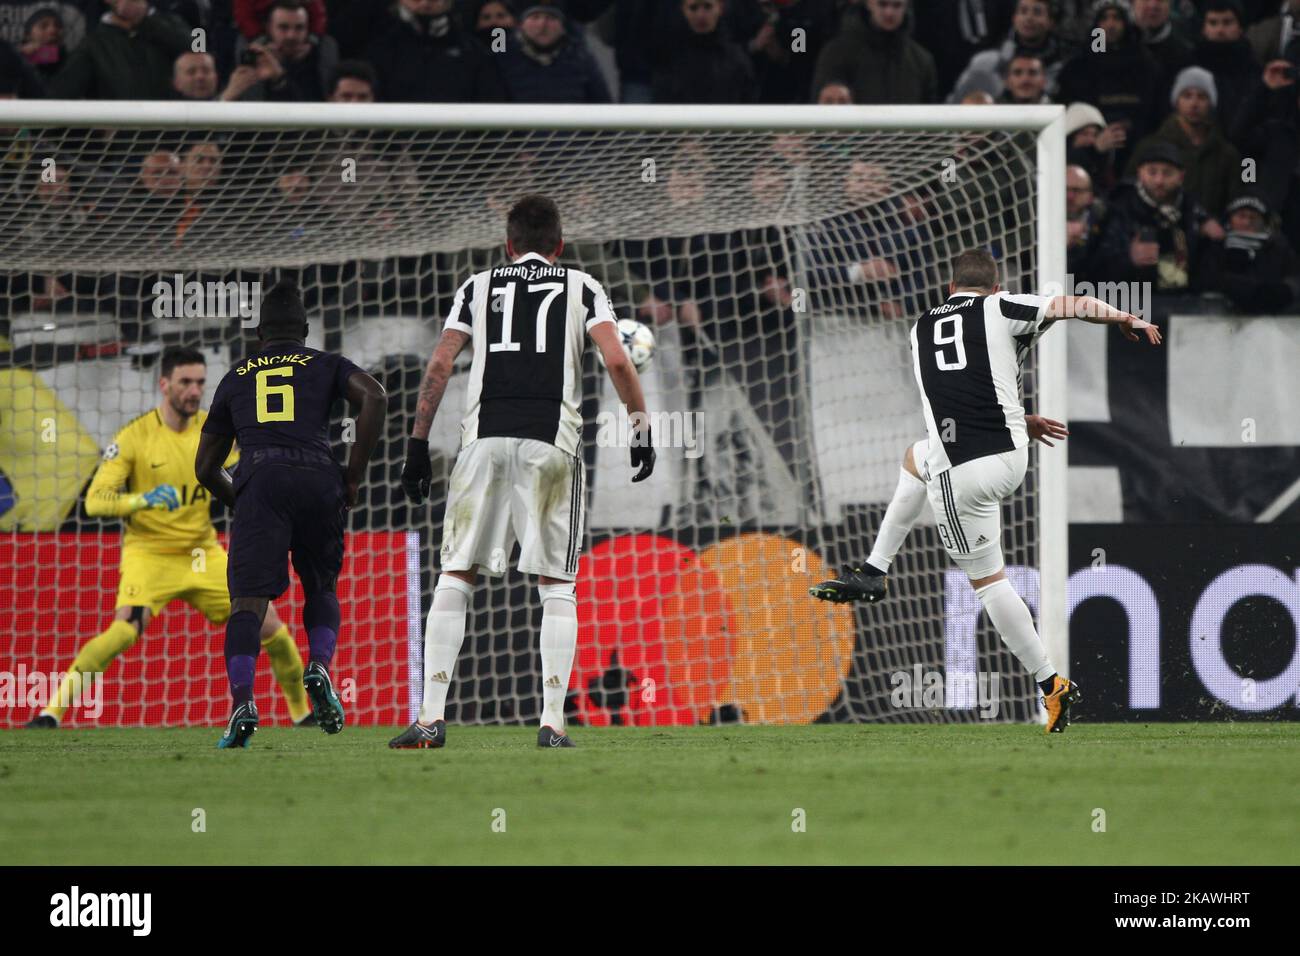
[(643, 454), (163, 497), (417, 473)]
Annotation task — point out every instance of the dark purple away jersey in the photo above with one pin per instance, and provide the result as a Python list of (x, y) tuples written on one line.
[(277, 404)]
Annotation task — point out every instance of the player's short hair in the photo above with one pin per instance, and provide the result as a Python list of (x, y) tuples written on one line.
[(534, 225), (281, 313), (975, 269), (174, 355)]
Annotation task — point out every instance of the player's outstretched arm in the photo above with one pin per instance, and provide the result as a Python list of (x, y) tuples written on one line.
[(214, 449), (1091, 309), (417, 473), (370, 400), (628, 385)]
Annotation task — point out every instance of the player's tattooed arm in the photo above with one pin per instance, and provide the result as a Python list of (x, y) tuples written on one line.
[(213, 450), (435, 381), (417, 474)]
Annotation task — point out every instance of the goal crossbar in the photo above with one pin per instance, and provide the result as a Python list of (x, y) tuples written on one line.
[(170, 114)]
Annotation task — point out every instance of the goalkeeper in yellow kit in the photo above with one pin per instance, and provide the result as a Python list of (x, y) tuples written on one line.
[(170, 549)]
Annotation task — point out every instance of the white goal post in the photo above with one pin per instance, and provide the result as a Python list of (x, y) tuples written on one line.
[(739, 230)]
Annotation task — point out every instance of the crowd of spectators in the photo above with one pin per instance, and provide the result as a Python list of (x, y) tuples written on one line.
[(1183, 116)]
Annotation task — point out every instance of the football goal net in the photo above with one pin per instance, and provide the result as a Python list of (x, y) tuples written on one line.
[(780, 256)]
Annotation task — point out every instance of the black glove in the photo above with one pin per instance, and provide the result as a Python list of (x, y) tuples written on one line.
[(417, 473), (643, 454)]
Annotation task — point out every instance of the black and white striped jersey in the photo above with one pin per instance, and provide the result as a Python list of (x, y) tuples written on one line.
[(967, 355), (528, 323)]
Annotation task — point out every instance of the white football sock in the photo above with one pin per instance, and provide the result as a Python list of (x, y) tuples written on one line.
[(1015, 625), (444, 633), (904, 508), (559, 640)]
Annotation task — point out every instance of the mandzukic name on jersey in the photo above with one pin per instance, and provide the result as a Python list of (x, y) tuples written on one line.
[(532, 317)]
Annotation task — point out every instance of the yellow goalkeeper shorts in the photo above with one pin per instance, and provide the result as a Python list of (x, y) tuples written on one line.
[(153, 580)]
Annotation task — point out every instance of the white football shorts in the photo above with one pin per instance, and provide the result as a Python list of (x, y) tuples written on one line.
[(504, 490), (967, 503)]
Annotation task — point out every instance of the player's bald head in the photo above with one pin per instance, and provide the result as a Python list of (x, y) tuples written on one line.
[(281, 314), (975, 269)]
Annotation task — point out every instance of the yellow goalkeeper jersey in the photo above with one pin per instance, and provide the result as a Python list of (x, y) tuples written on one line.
[(146, 454)]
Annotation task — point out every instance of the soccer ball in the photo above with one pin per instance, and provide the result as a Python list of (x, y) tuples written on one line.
[(638, 342)]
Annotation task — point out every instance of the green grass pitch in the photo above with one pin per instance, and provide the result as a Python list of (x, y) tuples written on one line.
[(1171, 793)]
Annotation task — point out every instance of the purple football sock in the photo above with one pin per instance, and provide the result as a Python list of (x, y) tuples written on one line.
[(320, 616), (242, 647)]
